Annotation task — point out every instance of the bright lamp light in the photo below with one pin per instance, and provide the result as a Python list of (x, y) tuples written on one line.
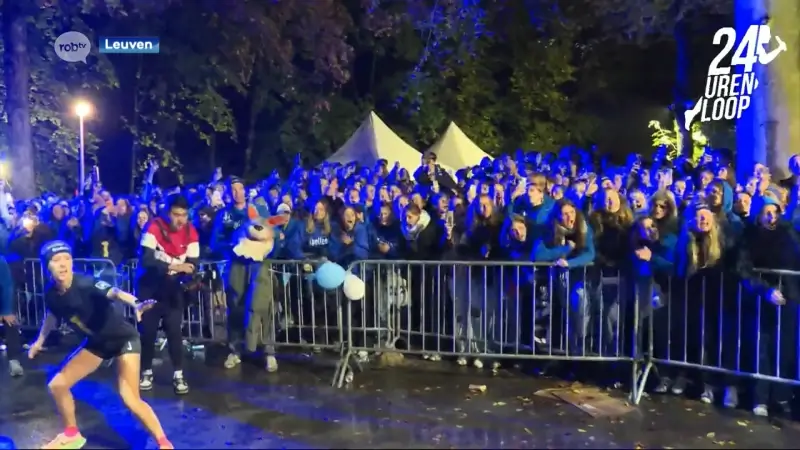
[(83, 108)]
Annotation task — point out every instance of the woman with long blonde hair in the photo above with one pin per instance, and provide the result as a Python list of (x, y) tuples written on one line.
[(705, 288), (611, 221), (476, 288)]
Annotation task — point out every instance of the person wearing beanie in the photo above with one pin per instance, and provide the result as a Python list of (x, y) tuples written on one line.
[(770, 244), (8, 319), (83, 302), (230, 218), (226, 223)]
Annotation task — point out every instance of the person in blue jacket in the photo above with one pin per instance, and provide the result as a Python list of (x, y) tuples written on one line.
[(310, 238), (308, 243), (8, 318), (568, 242), (518, 241), (349, 241), (653, 254), (535, 207), (350, 244)]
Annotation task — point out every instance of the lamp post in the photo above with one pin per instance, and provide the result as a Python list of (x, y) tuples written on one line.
[(82, 109)]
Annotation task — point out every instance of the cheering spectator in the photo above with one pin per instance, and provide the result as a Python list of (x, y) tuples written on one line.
[(226, 222), (766, 352)]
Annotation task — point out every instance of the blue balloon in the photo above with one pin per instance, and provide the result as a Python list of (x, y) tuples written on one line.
[(7, 443), (330, 275)]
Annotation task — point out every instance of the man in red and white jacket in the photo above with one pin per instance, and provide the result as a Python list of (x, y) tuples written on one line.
[(170, 250)]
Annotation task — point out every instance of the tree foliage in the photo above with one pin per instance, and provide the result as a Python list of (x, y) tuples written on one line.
[(54, 87), (248, 84), (670, 140)]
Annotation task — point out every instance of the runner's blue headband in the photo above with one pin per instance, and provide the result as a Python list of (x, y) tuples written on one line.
[(53, 248)]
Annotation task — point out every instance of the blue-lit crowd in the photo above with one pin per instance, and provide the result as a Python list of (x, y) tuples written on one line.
[(687, 243)]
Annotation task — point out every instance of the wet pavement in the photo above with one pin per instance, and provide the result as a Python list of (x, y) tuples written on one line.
[(429, 406)]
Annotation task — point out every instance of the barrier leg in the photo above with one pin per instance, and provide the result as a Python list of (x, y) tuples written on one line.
[(642, 362), (640, 381), (344, 372), (343, 369)]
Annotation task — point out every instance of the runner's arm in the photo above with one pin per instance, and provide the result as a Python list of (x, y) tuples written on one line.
[(50, 323), (122, 297)]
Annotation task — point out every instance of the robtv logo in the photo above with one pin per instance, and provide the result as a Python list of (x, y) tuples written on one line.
[(135, 44), (73, 46)]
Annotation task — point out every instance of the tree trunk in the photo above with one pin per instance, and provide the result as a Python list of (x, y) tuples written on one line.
[(752, 127), (135, 126), (254, 108), (681, 94), (251, 137), (17, 78), (784, 89), (212, 153)]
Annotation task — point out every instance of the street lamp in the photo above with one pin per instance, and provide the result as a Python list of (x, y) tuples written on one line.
[(82, 109)]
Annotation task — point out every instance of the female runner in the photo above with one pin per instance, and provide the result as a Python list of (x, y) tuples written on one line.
[(83, 303)]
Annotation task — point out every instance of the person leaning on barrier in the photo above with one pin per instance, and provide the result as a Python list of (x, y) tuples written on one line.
[(310, 239), (769, 243), (706, 291), (8, 319), (169, 253), (611, 222), (425, 240), (518, 241), (350, 244), (568, 243), (476, 291)]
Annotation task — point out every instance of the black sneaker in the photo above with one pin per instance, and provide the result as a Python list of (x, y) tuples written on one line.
[(180, 386), (146, 382)]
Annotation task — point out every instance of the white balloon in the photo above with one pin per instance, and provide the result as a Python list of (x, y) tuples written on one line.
[(354, 288)]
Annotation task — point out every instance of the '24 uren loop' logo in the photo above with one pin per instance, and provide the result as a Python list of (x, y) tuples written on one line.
[(727, 95)]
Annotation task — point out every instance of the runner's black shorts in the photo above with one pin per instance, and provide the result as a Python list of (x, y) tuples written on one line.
[(111, 349)]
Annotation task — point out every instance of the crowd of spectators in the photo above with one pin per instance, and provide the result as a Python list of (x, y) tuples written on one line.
[(649, 223)]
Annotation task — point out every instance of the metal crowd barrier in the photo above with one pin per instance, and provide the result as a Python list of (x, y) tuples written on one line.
[(290, 312), (488, 312), (30, 279), (715, 331), (505, 311)]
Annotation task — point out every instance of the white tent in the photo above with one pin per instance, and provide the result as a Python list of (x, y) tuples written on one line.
[(455, 149), (374, 140)]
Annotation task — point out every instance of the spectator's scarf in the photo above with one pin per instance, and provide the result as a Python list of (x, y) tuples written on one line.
[(411, 233)]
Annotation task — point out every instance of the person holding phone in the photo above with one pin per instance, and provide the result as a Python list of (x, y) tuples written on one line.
[(430, 173)]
